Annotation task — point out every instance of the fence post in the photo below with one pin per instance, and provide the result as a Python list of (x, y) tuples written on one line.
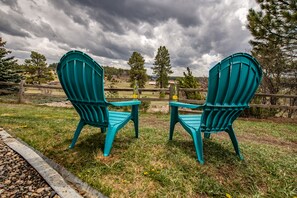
[(21, 92), (173, 93)]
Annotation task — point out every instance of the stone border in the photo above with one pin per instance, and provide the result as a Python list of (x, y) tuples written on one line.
[(50, 170)]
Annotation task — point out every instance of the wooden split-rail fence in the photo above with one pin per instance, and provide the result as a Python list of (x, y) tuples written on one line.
[(289, 101)]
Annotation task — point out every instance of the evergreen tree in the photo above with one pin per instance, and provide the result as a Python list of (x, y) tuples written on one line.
[(137, 71), (9, 71), (53, 66), (274, 29), (162, 67), (36, 69), (189, 81)]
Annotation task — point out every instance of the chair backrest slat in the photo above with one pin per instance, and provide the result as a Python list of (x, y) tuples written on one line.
[(83, 82), (79, 95), (231, 85)]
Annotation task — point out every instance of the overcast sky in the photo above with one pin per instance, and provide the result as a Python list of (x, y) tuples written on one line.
[(197, 33)]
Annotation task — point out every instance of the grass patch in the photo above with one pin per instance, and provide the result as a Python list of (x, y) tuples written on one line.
[(152, 166)]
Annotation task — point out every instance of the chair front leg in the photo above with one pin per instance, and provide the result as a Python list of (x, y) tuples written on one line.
[(173, 120), (111, 133), (198, 143)]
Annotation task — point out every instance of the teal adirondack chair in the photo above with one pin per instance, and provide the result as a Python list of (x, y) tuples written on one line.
[(231, 85), (83, 82)]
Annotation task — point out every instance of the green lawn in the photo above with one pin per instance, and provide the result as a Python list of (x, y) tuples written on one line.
[(152, 166)]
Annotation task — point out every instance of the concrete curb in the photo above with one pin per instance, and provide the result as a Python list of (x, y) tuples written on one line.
[(49, 170), (76, 183)]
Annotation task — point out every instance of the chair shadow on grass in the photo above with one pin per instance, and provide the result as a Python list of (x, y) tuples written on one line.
[(213, 151), (92, 145)]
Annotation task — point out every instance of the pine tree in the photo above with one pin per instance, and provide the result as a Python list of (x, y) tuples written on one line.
[(189, 81), (9, 71), (274, 29), (36, 69), (137, 71), (162, 67), (53, 66)]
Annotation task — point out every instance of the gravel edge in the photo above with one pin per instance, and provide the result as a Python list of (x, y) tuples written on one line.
[(54, 174)]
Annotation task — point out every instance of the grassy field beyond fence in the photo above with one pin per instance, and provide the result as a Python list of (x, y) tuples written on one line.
[(152, 166)]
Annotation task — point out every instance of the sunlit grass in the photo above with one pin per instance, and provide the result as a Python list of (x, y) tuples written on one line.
[(152, 166)]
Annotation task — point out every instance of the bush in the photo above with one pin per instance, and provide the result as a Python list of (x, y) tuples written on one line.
[(145, 105), (162, 94), (258, 112)]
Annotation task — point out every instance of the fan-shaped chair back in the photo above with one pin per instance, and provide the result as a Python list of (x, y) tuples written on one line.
[(231, 85), (83, 82)]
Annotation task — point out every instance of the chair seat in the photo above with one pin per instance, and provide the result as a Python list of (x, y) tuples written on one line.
[(116, 117), (191, 121)]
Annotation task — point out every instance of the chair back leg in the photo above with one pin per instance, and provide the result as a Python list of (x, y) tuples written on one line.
[(79, 127), (233, 138), (207, 135), (103, 129)]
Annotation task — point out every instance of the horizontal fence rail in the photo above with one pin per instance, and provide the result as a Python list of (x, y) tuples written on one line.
[(167, 91)]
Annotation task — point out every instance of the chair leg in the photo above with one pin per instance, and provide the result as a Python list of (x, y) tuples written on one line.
[(103, 129), (233, 138), (135, 119), (77, 132), (111, 132), (207, 135), (173, 121), (198, 143)]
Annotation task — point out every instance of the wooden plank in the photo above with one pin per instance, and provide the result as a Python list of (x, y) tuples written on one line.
[(274, 106), (43, 86), (3, 91), (9, 83), (141, 99), (276, 95)]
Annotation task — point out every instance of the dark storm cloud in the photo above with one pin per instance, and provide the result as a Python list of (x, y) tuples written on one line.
[(181, 61), (70, 11), (42, 29), (110, 13), (15, 24), (10, 25), (13, 4)]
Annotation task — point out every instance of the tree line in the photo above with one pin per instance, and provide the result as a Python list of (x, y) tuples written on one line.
[(36, 71)]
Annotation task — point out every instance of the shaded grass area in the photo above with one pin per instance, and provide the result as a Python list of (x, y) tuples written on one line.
[(152, 166), (33, 98)]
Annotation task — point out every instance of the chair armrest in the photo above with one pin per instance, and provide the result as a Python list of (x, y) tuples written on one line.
[(125, 103), (185, 105)]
